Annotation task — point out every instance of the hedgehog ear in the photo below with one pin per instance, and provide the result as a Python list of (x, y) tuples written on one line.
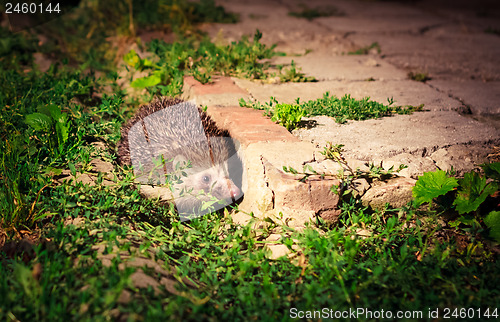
[(179, 161)]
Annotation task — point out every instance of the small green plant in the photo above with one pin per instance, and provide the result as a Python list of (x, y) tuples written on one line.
[(294, 74), (311, 13), (378, 172), (493, 31), (334, 152), (366, 50), (266, 107), (432, 185), (288, 115), (465, 195), (419, 77), (52, 124), (203, 75)]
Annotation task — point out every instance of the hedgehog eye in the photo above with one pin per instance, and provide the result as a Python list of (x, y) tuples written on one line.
[(206, 179)]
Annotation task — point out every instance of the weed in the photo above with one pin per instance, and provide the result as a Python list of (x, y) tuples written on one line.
[(346, 174), (493, 31), (44, 131), (294, 75), (464, 195), (208, 11), (288, 115), (334, 152), (16, 48), (419, 77), (348, 108), (311, 13), (366, 50), (53, 126)]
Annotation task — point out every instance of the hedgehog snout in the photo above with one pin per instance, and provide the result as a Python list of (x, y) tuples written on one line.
[(226, 190), (234, 191)]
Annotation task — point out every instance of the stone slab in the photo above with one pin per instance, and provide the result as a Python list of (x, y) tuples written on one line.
[(419, 134), (442, 56), (482, 97), (326, 67)]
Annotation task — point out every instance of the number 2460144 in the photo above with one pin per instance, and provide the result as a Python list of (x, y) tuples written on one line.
[(32, 8)]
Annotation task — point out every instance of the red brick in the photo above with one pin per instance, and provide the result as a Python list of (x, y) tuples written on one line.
[(220, 85), (249, 126)]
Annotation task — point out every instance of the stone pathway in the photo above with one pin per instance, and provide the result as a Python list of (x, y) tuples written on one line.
[(448, 41)]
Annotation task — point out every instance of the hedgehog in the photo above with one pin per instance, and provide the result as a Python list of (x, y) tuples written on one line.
[(179, 154)]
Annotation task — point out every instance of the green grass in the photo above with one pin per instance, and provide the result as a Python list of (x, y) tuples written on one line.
[(235, 278), (202, 59), (396, 259), (83, 35)]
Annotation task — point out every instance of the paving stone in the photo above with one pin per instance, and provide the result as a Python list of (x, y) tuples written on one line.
[(258, 197), (324, 200), (482, 97), (462, 158), (380, 23), (418, 134), (416, 164), (312, 197), (350, 67)]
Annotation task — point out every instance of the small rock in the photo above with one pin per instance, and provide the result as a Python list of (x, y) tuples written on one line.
[(462, 158), (417, 165), (101, 166), (278, 251), (330, 216), (371, 62), (363, 233), (396, 191), (359, 187)]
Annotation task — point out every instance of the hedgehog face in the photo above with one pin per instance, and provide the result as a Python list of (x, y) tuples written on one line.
[(212, 181), (215, 182), (202, 184)]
